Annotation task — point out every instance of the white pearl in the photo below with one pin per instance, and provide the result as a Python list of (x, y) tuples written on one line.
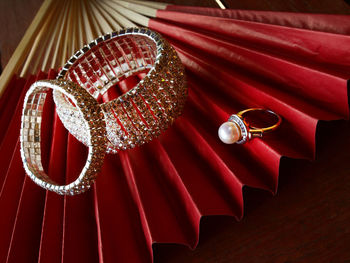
[(229, 132)]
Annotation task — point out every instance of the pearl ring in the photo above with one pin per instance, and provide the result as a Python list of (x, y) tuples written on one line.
[(238, 130)]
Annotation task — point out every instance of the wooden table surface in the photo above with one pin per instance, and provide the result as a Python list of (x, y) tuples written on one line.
[(309, 218)]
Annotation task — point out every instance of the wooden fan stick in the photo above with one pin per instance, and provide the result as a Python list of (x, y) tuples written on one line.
[(118, 17), (80, 33), (220, 4), (42, 49), (35, 47), (103, 25), (49, 54), (133, 16), (39, 49), (74, 22), (24, 46), (57, 49), (112, 24), (115, 17), (86, 19), (66, 45), (95, 23), (147, 11), (155, 5)]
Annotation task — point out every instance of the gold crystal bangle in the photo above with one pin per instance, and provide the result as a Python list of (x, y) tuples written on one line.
[(143, 112), (30, 137)]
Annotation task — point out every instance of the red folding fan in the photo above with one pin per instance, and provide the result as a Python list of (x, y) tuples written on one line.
[(294, 64)]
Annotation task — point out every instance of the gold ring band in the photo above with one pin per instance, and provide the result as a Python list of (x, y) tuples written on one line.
[(238, 130), (260, 130)]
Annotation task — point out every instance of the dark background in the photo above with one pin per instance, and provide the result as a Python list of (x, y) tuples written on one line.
[(309, 218)]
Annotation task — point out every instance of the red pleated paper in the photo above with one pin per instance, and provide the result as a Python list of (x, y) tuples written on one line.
[(294, 64)]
